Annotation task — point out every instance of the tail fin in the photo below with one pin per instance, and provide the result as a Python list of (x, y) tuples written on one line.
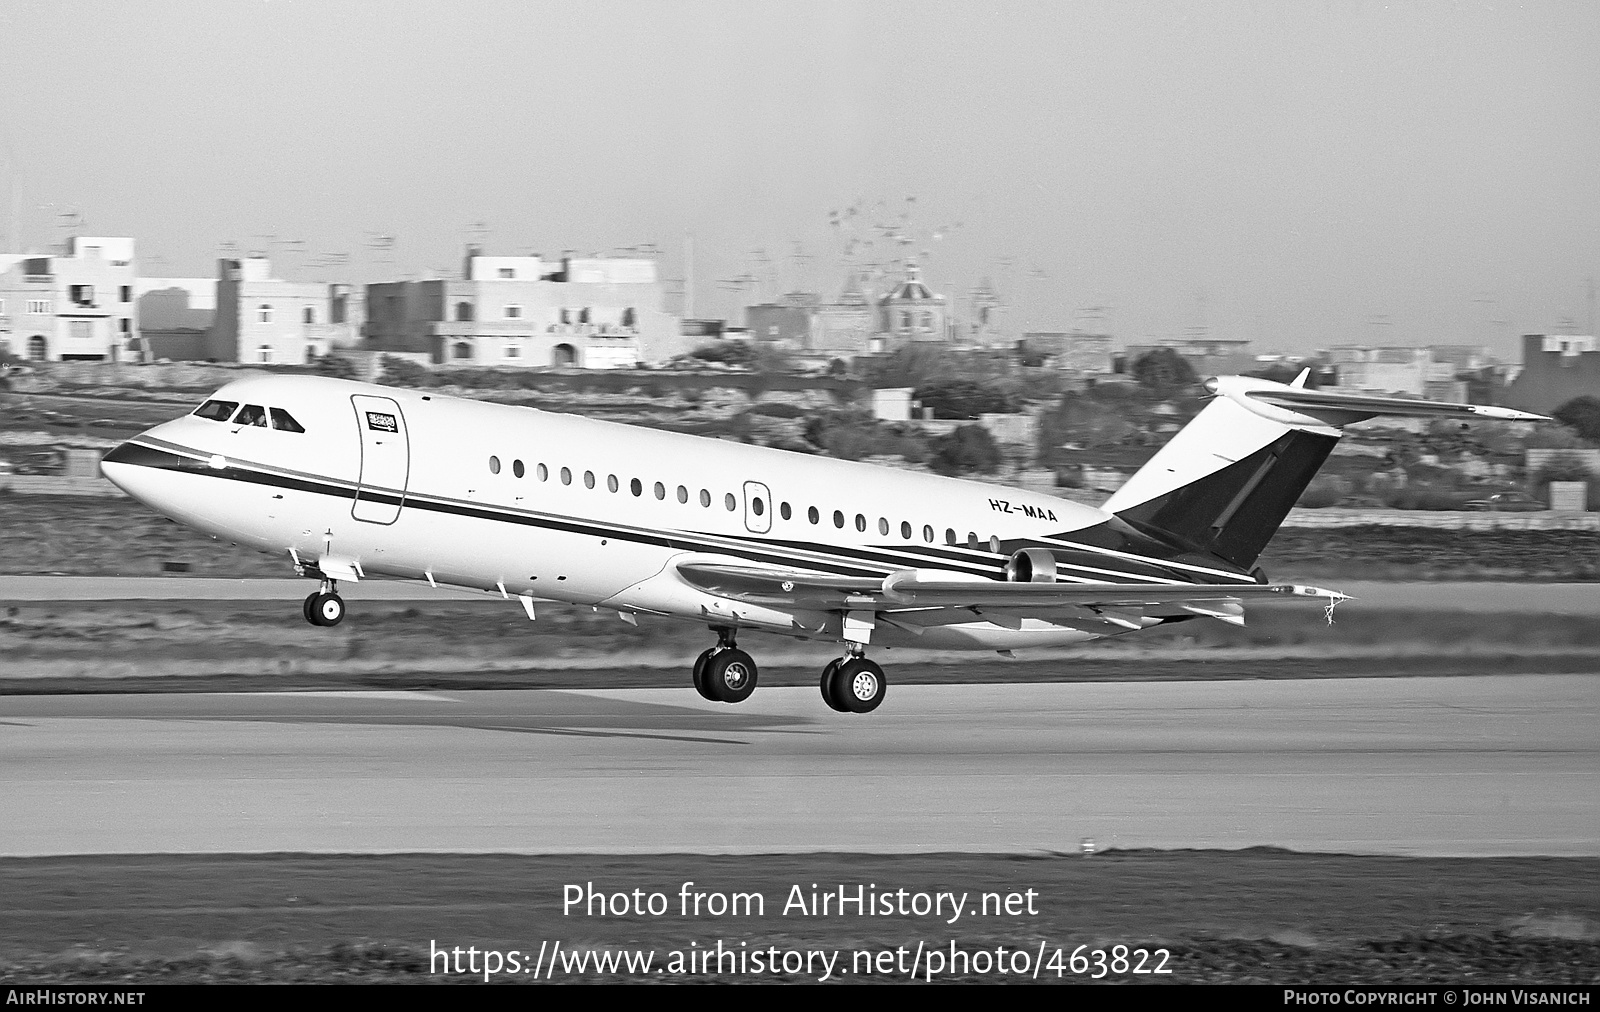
[(1225, 482)]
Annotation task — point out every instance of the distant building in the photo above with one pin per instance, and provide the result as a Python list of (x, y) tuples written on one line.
[(983, 326), (175, 316), (1208, 356), (1398, 370), (912, 312), (892, 404), (76, 306), (1555, 369), (524, 312), (1070, 351), (789, 324), (270, 321)]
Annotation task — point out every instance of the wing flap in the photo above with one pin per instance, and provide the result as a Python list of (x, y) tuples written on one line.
[(1118, 604), (908, 589)]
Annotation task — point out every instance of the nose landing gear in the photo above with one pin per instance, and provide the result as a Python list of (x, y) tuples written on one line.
[(325, 607)]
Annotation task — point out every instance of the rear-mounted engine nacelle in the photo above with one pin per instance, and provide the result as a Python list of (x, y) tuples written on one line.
[(1031, 565)]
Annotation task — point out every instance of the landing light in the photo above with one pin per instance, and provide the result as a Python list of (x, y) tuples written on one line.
[(1210, 385)]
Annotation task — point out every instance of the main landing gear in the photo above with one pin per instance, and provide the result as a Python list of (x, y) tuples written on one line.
[(325, 607), (853, 684), (726, 674)]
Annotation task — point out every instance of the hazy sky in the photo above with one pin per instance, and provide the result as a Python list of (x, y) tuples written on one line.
[(1300, 174)]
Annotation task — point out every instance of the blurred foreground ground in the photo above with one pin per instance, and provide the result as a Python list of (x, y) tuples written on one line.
[(1258, 916)]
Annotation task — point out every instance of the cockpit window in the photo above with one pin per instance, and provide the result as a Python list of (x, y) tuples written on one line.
[(217, 411), (281, 419), (251, 414)]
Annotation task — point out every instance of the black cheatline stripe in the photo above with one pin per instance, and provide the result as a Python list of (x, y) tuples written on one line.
[(881, 554), (995, 569), (1060, 541), (835, 558), (234, 472)]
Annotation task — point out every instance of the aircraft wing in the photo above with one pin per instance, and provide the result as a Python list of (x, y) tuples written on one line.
[(931, 590)]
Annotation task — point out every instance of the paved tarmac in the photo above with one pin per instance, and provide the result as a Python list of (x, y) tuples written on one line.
[(1493, 765), (1547, 598)]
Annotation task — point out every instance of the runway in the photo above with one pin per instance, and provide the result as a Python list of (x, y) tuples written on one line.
[(1498, 765), (1518, 598)]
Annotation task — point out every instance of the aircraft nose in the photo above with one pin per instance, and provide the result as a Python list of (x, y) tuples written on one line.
[(137, 469)]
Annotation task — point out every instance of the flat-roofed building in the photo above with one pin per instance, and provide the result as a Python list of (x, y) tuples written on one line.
[(1070, 351), (270, 321), (1398, 369), (175, 317), (1555, 369), (520, 312), (76, 306), (1206, 355)]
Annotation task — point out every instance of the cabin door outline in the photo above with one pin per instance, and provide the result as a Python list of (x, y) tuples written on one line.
[(385, 459), (757, 508)]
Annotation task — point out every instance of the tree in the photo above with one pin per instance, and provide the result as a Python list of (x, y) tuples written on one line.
[(913, 365), (728, 352), (1163, 369), (336, 366), (402, 372), (1582, 414), (969, 448), (962, 398)]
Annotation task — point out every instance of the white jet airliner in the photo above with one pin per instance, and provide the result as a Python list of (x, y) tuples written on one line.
[(353, 481)]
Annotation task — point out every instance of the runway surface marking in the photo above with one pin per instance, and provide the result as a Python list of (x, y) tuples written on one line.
[(1496, 765)]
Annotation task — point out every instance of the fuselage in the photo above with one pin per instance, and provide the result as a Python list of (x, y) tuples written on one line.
[(386, 482)]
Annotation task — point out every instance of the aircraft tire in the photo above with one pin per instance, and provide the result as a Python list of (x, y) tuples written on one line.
[(700, 675), (306, 609), (828, 695), (328, 609), (730, 675), (859, 684)]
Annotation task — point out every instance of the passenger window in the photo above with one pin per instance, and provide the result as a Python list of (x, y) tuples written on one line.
[(705, 498), (730, 502), (861, 522), (216, 411), (927, 534), (284, 421), (251, 414), (516, 468), (636, 487), (544, 473), (883, 526), (994, 544), (784, 511), (905, 529), (757, 506), (949, 535), (566, 476), (838, 519), (494, 465), (661, 491), (588, 479), (683, 494), (611, 482), (811, 514), (972, 541)]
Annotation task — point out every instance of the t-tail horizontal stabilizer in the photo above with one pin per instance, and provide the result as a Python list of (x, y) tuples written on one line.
[(1225, 482)]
